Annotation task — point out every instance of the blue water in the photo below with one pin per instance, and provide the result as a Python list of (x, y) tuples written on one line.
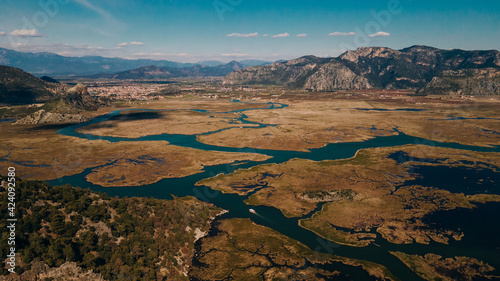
[(6, 120), (467, 118), (268, 216), (397, 109)]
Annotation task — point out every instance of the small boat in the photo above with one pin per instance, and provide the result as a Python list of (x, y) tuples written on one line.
[(252, 211)]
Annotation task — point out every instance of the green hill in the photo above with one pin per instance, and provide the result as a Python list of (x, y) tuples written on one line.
[(19, 87), (118, 238)]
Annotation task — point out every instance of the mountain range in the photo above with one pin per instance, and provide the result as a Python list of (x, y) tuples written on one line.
[(156, 72), (473, 82), (428, 70), (52, 64), (376, 67), (246, 63)]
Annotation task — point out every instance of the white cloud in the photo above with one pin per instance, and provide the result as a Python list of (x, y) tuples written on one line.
[(282, 35), (238, 55), (302, 35), (142, 54), (265, 35), (125, 44), (2, 33), (243, 35), (380, 34), (136, 43), (25, 33), (336, 33), (19, 45)]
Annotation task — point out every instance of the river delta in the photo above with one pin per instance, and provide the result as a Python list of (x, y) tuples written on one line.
[(341, 188)]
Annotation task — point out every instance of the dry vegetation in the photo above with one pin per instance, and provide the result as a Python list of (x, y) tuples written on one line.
[(129, 124), (312, 124), (434, 267), (364, 196), (43, 155), (375, 198), (242, 250)]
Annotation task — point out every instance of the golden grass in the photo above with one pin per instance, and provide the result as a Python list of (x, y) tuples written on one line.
[(372, 177), (43, 155), (242, 249), (435, 267), (313, 124)]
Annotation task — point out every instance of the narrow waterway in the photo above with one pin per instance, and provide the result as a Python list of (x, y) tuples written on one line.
[(272, 217)]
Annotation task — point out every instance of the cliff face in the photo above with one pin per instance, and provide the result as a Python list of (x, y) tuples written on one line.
[(472, 82), (78, 97), (387, 68), (292, 73), (334, 75), (310, 72), (415, 66), (367, 67)]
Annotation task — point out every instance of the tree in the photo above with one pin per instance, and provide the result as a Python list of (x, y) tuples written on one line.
[(70, 253)]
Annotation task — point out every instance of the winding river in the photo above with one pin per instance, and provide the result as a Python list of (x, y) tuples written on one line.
[(272, 217)]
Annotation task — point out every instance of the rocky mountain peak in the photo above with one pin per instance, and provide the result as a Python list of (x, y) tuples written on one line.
[(303, 60), (378, 67), (419, 48), (78, 97), (368, 52), (78, 89)]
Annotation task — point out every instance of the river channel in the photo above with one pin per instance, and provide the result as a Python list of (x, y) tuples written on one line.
[(273, 218)]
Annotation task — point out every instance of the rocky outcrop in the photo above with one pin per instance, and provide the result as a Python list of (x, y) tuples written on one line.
[(44, 117), (363, 53), (78, 97), (334, 75), (470, 82), (78, 89)]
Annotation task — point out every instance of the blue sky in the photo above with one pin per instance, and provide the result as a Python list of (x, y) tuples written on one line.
[(191, 31)]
